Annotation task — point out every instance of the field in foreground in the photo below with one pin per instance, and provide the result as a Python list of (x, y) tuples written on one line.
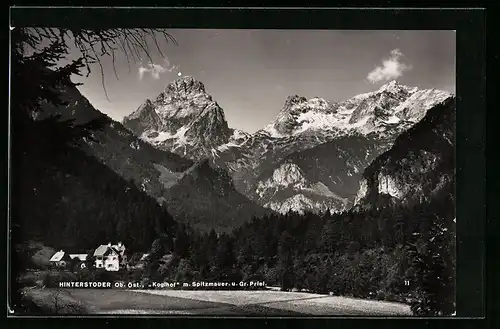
[(225, 303)]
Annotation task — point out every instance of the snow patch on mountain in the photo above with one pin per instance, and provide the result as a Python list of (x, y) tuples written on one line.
[(287, 174), (135, 145), (239, 136), (392, 87), (416, 106)]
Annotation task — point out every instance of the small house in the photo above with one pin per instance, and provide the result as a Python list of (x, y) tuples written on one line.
[(81, 258), (60, 259), (110, 257)]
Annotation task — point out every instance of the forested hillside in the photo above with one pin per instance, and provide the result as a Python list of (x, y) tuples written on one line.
[(74, 202), (206, 198), (59, 195)]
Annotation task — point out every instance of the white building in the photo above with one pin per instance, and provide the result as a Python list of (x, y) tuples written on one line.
[(110, 257), (60, 259)]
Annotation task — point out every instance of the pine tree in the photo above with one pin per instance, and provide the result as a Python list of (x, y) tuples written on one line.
[(329, 237), (285, 260), (181, 241), (432, 265)]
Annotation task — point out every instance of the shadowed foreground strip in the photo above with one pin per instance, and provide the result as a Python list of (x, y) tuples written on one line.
[(303, 303), (226, 303)]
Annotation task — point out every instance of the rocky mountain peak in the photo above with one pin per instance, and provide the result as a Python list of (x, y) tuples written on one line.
[(186, 85), (394, 87), (140, 111), (183, 119), (288, 173), (295, 105), (390, 86), (292, 101)]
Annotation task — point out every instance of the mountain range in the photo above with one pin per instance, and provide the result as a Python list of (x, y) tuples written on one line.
[(311, 157), (314, 156)]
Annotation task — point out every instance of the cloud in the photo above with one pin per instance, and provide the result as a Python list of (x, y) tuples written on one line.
[(391, 68), (156, 69)]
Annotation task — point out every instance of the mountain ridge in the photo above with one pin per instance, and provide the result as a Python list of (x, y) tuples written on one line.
[(419, 165), (302, 126)]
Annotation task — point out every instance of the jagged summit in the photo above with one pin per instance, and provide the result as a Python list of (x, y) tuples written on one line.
[(185, 84), (374, 112), (293, 100), (390, 86), (395, 87), (298, 103), (183, 119)]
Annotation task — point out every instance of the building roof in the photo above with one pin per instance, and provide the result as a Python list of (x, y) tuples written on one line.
[(57, 256), (103, 249), (119, 247), (82, 257)]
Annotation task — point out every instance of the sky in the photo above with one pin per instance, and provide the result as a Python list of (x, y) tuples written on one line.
[(250, 73)]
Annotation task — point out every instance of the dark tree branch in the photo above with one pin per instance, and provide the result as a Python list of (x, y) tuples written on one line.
[(96, 43)]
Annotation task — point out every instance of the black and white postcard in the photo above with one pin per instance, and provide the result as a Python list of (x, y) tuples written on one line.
[(232, 172)]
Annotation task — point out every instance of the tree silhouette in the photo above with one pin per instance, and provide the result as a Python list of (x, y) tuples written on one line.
[(45, 153), (93, 44)]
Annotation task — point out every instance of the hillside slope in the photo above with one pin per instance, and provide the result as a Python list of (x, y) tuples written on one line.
[(119, 149), (206, 198), (74, 202), (420, 165)]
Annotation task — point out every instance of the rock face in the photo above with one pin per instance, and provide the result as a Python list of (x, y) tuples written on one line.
[(419, 166), (183, 119), (328, 144), (288, 190)]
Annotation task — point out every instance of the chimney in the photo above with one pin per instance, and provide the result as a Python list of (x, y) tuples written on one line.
[(119, 244), (109, 244)]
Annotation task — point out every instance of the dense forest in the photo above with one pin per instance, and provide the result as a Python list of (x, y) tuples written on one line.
[(76, 203), (400, 249), (397, 253)]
